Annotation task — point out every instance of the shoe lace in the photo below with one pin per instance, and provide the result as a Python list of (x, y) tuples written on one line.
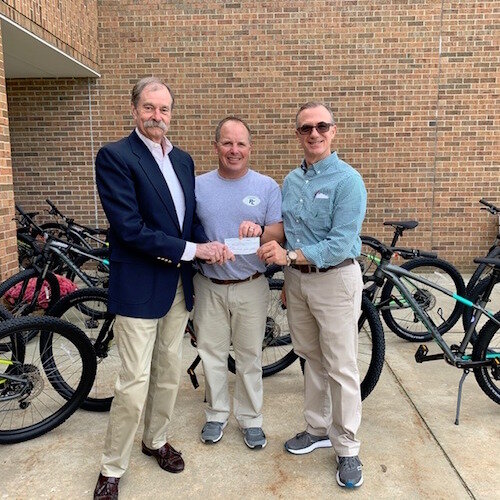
[(350, 463), (254, 431)]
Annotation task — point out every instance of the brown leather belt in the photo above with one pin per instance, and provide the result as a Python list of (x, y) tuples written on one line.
[(232, 282), (314, 269)]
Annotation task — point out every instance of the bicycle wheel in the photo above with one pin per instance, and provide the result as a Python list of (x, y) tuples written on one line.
[(22, 294), (371, 347), (31, 400), (369, 258), (277, 349), (478, 290), (95, 270), (487, 346), (481, 272), (87, 309), (443, 311)]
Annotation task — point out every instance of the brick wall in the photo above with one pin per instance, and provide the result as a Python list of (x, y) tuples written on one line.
[(8, 248), (69, 25), (419, 127), (51, 139)]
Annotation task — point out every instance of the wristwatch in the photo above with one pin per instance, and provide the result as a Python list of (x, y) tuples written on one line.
[(291, 257)]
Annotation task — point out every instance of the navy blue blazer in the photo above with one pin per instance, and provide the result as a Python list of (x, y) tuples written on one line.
[(146, 241)]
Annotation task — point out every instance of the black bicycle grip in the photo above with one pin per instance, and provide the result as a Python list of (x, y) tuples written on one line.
[(430, 255), (53, 207)]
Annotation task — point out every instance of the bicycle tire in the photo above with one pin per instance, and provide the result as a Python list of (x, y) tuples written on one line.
[(488, 343), (93, 269), (23, 305), (371, 347), (87, 309), (277, 350), (474, 295), (399, 316), (35, 406), (369, 258), (481, 272), (374, 361)]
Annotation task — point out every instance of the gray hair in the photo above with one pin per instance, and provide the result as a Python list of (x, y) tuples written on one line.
[(232, 119), (145, 82), (313, 104)]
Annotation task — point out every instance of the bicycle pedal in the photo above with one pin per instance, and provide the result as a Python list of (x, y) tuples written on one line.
[(421, 353)]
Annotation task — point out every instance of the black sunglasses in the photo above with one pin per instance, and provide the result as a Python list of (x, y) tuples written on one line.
[(321, 127)]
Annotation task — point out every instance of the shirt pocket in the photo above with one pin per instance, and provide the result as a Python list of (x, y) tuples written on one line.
[(321, 216)]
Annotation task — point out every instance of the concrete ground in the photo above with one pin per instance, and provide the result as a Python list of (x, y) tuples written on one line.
[(410, 445)]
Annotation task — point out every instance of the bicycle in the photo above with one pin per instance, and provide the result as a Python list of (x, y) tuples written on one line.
[(277, 349), (395, 310), (92, 262), (42, 382), (85, 236), (494, 250), (484, 359), (477, 282)]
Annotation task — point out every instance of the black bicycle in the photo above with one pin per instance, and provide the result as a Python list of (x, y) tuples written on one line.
[(43, 381), (479, 279), (483, 357), (398, 315)]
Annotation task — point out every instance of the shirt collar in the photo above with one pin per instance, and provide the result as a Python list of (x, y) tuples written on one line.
[(166, 145), (321, 165)]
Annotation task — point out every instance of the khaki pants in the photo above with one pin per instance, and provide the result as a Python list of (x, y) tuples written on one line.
[(151, 354), (323, 311), (232, 313)]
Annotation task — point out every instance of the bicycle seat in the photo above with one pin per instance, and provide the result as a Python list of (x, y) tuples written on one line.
[(402, 224)]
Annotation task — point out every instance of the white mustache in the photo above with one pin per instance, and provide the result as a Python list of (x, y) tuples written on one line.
[(154, 123)]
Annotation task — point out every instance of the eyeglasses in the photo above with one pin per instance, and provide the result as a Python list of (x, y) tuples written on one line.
[(321, 127)]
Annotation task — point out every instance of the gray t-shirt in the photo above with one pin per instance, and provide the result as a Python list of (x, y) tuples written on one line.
[(222, 204)]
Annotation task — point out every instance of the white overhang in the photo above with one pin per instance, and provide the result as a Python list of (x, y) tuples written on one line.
[(29, 56)]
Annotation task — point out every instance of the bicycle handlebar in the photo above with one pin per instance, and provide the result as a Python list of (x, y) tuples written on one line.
[(490, 207), (29, 220), (53, 209)]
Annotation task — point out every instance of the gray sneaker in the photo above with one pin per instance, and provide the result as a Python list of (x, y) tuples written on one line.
[(304, 443), (254, 437), (212, 432), (349, 472)]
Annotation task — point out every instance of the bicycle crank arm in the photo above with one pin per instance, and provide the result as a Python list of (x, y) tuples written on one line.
[(422, 355)]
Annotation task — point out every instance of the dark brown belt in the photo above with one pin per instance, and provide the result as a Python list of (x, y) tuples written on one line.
[(232, 282), (314, 269)]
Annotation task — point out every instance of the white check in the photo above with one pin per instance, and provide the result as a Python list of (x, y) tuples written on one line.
[(243, 246)]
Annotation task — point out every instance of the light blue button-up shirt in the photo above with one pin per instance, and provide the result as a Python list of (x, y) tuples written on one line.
[(323, 209)]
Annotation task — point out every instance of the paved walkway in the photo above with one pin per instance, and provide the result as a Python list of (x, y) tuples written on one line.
[(410, 445)]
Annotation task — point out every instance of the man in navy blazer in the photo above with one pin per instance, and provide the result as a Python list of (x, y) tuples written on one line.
[(146, 187)]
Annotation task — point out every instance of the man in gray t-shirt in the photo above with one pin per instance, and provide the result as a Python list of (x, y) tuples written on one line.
[(231, 300)]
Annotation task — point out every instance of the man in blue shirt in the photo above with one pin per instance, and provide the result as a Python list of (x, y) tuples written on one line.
[(324, 204)]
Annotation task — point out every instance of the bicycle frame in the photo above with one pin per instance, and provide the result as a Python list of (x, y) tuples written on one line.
[(56, 247), (394, 273)]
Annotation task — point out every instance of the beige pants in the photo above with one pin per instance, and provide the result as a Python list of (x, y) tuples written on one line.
[(232, 313), (323, 311), (151, 354)]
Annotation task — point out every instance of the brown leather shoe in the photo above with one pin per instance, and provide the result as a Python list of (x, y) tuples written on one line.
[(106, 488), (168, 458)]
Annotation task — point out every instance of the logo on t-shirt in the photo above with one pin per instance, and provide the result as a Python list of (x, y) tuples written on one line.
[(251, 201)]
